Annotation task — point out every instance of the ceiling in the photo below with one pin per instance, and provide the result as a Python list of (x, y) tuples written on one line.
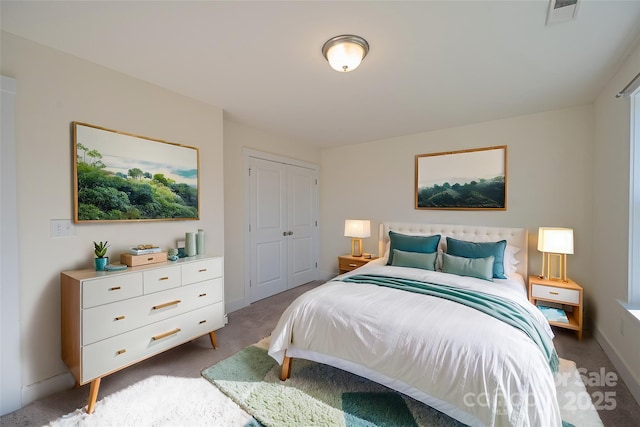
[(432, 64)]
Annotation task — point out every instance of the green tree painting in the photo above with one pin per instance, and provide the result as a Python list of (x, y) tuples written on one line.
[(106, 192)]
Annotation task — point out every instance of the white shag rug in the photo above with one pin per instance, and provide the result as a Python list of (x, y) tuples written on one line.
[(161, 401)]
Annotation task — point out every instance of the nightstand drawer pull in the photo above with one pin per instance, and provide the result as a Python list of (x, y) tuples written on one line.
[(353, 265), (202, 270), (119, 318), (164, 278), (119, 352), (166, 304), (554, 293), (202, 295), (166, 334), (116, 288)]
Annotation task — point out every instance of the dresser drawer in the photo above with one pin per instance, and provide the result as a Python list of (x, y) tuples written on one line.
[(109, 320), (201, 270), (110, 289), (109, 355), (161, 279), (204, 293), (569, 296)]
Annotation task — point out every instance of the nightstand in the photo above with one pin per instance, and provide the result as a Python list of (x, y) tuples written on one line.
[(348, 262), (567, 295)]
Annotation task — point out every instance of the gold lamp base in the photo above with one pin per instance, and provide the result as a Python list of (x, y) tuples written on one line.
[(356, 247), (561, 264)]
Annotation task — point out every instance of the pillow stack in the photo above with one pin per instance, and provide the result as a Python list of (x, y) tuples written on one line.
[(484, 260), (413, 251)]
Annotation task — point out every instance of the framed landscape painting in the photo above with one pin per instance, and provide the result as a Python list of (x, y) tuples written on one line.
[(474, 179), (124, 177)]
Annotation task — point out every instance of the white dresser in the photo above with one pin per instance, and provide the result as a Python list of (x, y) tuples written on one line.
[(113, 319)]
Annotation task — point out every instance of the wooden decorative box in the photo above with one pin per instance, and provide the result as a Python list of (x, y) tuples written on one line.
[(134, 260)]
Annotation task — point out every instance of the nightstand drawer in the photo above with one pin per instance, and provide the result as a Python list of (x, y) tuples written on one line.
[(352, 264), (569, 296)]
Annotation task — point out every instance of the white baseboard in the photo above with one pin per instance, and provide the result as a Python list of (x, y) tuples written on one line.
[(44, 388), (231, 306), (632, 383)]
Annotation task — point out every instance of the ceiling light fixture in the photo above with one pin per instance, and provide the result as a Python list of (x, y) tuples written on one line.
[(345, 52)]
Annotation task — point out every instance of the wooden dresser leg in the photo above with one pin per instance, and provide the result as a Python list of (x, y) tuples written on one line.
[(214, 341), (286, 368), (93, 395)]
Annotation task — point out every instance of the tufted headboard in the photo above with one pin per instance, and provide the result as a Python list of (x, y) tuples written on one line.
[(517, 237)]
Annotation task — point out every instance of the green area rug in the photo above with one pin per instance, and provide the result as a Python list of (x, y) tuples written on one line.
[(320, 395)]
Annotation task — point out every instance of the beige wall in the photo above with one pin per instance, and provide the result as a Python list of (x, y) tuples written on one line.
[(549, 182), (236, 138), (55, 89), (616, 329)]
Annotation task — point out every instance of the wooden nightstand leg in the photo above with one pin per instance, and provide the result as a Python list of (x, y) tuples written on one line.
[(214, 341), (93, 395)]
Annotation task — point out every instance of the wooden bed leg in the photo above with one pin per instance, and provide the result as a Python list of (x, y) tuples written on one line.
[(214, 341), (286, 368), (93, 395)]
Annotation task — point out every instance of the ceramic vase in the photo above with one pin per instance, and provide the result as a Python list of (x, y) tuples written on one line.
[(200, 242), (190, 243)]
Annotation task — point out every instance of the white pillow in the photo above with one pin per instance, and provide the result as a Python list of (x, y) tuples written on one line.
[(510, 262)]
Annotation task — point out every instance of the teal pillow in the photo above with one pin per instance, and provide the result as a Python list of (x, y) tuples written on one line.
[(466, 249), (404, 242), (415, 259), (482, 268)]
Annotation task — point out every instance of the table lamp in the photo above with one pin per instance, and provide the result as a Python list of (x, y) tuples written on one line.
[(555, 241), (357, 229)]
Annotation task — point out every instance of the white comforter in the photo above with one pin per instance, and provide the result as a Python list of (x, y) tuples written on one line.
[(456, 359)]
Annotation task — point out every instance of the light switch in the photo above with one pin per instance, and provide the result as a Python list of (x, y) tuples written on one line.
[(62, 228)]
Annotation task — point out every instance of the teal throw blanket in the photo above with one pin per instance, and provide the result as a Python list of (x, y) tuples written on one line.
[(501, 308)]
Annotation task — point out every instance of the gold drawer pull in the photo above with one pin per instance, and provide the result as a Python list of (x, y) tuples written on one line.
[(119, 352), (116, 288), (202, 295), (202, 321), (166, 334), (553, 293), (202, 270), (164, 278), (119, 318), (166, 304), (353, 265)]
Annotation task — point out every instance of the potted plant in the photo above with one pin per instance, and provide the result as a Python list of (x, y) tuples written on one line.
[(100, 249)]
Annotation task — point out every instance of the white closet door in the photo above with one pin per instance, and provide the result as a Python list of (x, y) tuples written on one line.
[(301, 209), (269, 230)]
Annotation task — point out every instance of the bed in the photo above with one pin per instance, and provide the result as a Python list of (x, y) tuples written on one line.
[(451, 355)]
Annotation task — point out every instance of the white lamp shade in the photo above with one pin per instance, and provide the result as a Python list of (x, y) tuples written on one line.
[(555, 240), (345, 56), (358, 228)]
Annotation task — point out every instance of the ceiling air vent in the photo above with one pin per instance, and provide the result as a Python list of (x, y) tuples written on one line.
[(561, 11)]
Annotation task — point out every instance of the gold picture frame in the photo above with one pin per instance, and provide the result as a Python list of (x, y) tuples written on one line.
[(119, 176), (473, 179)]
